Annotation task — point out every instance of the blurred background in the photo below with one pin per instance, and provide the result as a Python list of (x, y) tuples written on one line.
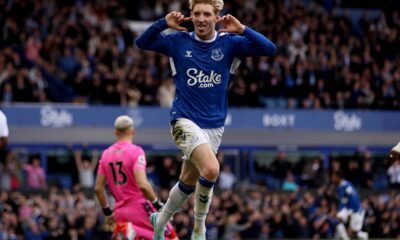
[(329, 99)]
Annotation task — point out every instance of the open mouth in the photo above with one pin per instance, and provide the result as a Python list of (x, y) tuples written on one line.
[(201, 27)]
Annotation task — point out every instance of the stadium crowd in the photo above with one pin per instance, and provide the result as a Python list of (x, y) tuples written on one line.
[(245, 213), (299, 207), (83, 51)]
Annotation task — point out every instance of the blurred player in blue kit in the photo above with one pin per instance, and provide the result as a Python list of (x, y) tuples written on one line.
[(201, 62), (349, 209), (394, 169), (395, 152)]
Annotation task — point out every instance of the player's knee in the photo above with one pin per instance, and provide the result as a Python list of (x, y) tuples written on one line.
[(211, 173)]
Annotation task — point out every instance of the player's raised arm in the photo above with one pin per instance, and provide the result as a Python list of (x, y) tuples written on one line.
[(175, 19), (153, 39), (231, 24), (249, 42)]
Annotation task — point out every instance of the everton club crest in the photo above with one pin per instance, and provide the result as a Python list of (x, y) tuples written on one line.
[(217, 54)]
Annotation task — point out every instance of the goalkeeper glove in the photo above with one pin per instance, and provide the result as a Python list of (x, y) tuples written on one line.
[(158, 204)]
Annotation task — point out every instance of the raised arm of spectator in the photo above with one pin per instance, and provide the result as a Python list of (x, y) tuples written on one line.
[(78, 158), (95, 159)]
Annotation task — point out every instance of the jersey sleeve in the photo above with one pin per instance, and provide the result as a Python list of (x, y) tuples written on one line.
[(153, 39), (140, 162), (345, 196), (342, 203), (252, 43), (349, 191)]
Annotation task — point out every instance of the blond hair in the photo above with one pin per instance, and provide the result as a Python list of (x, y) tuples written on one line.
[(217, 4), (123, 122)]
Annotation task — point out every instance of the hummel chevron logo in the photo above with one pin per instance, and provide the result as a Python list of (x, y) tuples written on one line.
[(188, 54), (203, 198)]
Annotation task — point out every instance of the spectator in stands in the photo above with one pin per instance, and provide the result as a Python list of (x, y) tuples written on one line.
[(232, 226), (212, 226), (302, 214), (289, 184), (86, 166), (35, 230), (38, 84), (10, 173), (133, 95), (312, 172), (35, 175), (352, 173), (301, 225), (367, 175), (168, 173), (326, 59), (7, 94), (254, 200), (148, 88), (55, 230), (322, 223), (5, 176), (166, 93), (22, 90), (33, 46), (280, 167), (238, 93), (226, 179)]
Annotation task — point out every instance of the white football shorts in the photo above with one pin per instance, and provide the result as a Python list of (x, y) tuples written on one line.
[(188, 136), (356, 218)]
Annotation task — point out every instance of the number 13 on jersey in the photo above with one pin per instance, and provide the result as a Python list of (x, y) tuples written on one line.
[(119, 175)]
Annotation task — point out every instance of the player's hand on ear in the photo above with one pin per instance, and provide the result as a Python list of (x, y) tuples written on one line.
[(231, 24), (174, 19)]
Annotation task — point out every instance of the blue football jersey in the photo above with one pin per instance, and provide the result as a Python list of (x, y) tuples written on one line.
[(202, 68), (348, 196)]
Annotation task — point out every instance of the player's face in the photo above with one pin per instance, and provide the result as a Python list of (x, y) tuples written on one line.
[(204, 19)]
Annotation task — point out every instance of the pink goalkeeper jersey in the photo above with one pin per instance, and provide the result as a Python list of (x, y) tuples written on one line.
[(118, 163)]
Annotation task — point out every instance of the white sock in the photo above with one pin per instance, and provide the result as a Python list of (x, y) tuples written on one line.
[(362, 235), (175, 200), (202, 204), (341, 232)]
